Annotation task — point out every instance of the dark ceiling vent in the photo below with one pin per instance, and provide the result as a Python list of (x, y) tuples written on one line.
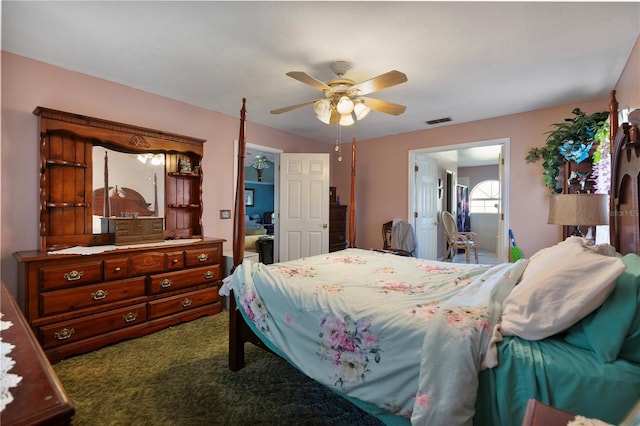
[(438, 121)]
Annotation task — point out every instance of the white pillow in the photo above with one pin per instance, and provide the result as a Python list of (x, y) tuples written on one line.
[(560, 286)]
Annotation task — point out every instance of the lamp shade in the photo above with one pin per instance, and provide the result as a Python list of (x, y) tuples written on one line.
[(361, 110), (579, 209), (322, 109), (346, 120), (345, 105)]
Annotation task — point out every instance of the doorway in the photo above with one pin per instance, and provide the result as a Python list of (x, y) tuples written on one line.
[(268, 184), (449, 159), (287, 229)]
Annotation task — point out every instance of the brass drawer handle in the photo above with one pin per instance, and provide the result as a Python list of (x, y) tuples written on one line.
[(166, 283), (174, 261), (208, 275), (116, 269), (186, 303), (202, 257), (65, 333), (99, 295), (130, 317), (73, 275)]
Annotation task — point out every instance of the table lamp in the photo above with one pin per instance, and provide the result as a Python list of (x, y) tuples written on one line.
[(579, 210)]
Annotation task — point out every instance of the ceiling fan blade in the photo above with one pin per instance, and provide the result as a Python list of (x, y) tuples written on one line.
[(383, 106), (307, 79), (292, 107), (380, 82)]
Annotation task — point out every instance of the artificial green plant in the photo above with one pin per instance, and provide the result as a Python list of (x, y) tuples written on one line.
[(571, 140)]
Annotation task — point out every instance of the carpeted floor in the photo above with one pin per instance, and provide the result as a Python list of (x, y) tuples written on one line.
[(179, 376)]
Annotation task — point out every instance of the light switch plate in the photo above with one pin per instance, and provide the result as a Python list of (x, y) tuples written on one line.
[(225, 214)]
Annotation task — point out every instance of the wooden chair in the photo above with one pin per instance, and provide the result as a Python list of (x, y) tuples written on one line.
[(458, 240), (386, 238)]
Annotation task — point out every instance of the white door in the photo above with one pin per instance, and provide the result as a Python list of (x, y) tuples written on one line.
[(500, 249), (426, 206), (304, 205)]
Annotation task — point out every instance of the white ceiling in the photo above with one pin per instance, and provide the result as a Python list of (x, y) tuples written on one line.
[(464, 60)]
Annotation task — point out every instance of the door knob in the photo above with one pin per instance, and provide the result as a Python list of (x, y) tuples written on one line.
[(324, 225)]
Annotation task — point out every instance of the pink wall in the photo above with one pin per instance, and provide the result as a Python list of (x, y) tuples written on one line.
[(382, 165), (478, 174), (382, 171), (628, 86), (27, 84)]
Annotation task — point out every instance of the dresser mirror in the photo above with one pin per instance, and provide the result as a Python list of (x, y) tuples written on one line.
[(135, 182), (148, 174)]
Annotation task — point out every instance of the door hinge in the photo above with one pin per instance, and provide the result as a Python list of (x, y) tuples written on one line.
[(416, 168), (415, 215)]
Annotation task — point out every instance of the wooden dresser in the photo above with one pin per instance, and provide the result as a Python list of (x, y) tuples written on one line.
[(337, 227), (77, 303), (39, 398)]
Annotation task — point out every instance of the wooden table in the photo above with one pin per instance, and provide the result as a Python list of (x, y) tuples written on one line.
[(539, 414), (39, 398)]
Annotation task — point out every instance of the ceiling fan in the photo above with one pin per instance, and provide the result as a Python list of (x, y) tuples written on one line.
[(344, 99)]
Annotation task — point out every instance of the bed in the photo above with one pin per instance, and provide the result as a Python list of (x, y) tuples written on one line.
[(422, 342)]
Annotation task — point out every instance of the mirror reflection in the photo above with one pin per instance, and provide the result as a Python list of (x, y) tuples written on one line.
[(136, 184)]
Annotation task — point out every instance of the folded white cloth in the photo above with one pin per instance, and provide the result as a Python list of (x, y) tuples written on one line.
[(7, 380), (583, 421)]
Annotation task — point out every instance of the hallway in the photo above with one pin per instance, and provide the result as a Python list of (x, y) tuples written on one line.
[(484, 257)]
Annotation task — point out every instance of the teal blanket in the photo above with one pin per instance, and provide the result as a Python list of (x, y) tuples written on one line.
[(559, 374)]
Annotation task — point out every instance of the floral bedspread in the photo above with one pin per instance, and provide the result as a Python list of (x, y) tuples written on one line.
[(404, 334)]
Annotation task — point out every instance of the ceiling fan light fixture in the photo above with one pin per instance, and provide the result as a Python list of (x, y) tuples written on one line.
[(322, 108), (346, 120), (345, 105), (361, 110), (324, 118)]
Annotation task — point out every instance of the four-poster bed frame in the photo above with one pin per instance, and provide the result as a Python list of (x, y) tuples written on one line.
[(239, 332), (624, 223)]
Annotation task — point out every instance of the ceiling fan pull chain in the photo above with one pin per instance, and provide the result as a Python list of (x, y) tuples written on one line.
[(339, 142)]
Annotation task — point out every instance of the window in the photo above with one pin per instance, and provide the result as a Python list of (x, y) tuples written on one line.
[(485, 197)]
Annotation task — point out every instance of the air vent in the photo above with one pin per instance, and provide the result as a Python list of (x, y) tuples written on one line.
[(438, 121)]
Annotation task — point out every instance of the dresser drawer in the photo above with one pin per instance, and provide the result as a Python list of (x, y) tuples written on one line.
[(186, 278), (54, 302), (338, 213), (72, 275), (335, 237), (183, 302), (115, 269), (337, 226), (92, 325), (174, 260), (150, 262), (203, 256)]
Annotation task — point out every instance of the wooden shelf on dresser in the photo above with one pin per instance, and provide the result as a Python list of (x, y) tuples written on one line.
[(76, 303), (337, 227)]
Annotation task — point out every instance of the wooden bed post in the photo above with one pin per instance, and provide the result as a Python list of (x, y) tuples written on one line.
[(106, 211), (613, 130), (613, 119), (352, 202), (236, 343), (624, 225)]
